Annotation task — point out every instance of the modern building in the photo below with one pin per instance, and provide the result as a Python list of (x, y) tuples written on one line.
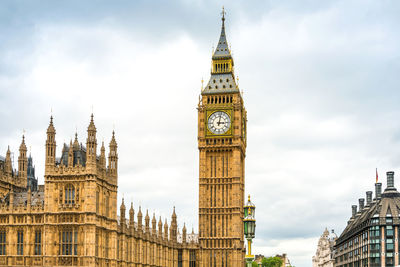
[(72, 219), (371, 237), (324, 256)]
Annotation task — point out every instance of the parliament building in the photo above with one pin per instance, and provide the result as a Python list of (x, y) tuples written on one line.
[(72, 219)]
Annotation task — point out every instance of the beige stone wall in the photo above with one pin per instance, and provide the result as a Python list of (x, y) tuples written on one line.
[(221, 184)]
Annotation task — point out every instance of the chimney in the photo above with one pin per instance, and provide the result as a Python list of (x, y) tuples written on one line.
[(378, 190), (369, 197), (353, 210), (361, 204), (390, 180)]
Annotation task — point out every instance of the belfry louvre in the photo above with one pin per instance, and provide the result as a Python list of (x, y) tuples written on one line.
[(72, 219), (371, 237)]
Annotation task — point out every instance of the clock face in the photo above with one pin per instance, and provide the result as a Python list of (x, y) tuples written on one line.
[(219, 122)]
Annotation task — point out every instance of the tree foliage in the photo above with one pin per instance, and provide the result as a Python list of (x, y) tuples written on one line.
[(271, 262)]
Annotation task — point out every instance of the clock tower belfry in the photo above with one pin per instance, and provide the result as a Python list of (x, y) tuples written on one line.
[(222, 147)]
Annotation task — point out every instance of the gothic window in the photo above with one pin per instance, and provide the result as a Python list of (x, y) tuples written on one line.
[(3, 242), (69, 242), (69, 194), (192, 258), (20, 242), (107, 204), (96, 253), (106, 246), (38, 242), (118, 251), (180, 258), (97, 201)]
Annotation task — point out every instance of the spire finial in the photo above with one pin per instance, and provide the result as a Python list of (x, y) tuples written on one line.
[(249, 197), (223, 14)]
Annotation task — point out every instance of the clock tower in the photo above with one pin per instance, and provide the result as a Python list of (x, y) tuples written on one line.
[(222, 146)]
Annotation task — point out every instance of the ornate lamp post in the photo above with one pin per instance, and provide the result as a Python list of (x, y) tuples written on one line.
[(249, 228)]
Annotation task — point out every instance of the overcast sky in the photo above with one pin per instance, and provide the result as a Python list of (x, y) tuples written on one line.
[(320, 82)]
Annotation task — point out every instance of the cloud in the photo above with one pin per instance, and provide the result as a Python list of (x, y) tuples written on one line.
[(319, 82)]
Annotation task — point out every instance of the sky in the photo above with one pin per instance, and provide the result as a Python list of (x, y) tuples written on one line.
[(320, 81)]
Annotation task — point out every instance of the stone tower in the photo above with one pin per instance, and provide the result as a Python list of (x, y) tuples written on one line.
[(222, 148)]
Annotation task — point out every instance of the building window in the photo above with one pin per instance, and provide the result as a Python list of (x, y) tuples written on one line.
[(96, 253), (106, 246), (389, 230), (97, 202), (107, 204), (69, 242), (192, 258), (69, 194), (374, 231), (20, 242), (389, 220), (3, 242), (38, 242), (180, 258)]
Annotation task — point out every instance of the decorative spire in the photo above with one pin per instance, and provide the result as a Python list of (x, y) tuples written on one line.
[(8, 161), (174, 214), (122, 212), (159, 227), (154, 224), (51, 128), (76, 142), (131, 215), (50, 146), (184, 233), (103, 156), (222, 50)]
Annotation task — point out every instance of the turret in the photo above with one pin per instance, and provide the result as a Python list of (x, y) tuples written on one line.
[(160, 228), (70, 155), (8, 164), (50, 146), (122, 212), (139, 217), (76, 143), (154, 225), (91, 146), (23, 164), (166, 230), (222, 61), (184, 233), (113, 158), (147, 221), (174, 226), (131, 216), (103, 156)]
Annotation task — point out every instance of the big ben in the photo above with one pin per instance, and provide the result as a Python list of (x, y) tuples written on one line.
[(222, 147)]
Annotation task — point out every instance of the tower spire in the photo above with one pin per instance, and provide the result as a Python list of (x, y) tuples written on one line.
[(222, 50)]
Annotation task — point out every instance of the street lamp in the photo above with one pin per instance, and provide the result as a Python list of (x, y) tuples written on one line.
[(249, 228)]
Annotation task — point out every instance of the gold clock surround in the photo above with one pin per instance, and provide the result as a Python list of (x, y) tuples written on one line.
[(209, 112)]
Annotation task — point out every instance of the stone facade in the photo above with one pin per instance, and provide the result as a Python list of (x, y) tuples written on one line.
[(222, 122), (72, 219), (371, 237), (324, 256)]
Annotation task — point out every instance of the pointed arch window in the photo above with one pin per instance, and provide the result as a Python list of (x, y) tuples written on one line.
[(69, 194)]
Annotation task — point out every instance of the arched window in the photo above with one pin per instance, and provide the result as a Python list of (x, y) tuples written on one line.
[(97, 201), (69, 194), (107, 204)]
